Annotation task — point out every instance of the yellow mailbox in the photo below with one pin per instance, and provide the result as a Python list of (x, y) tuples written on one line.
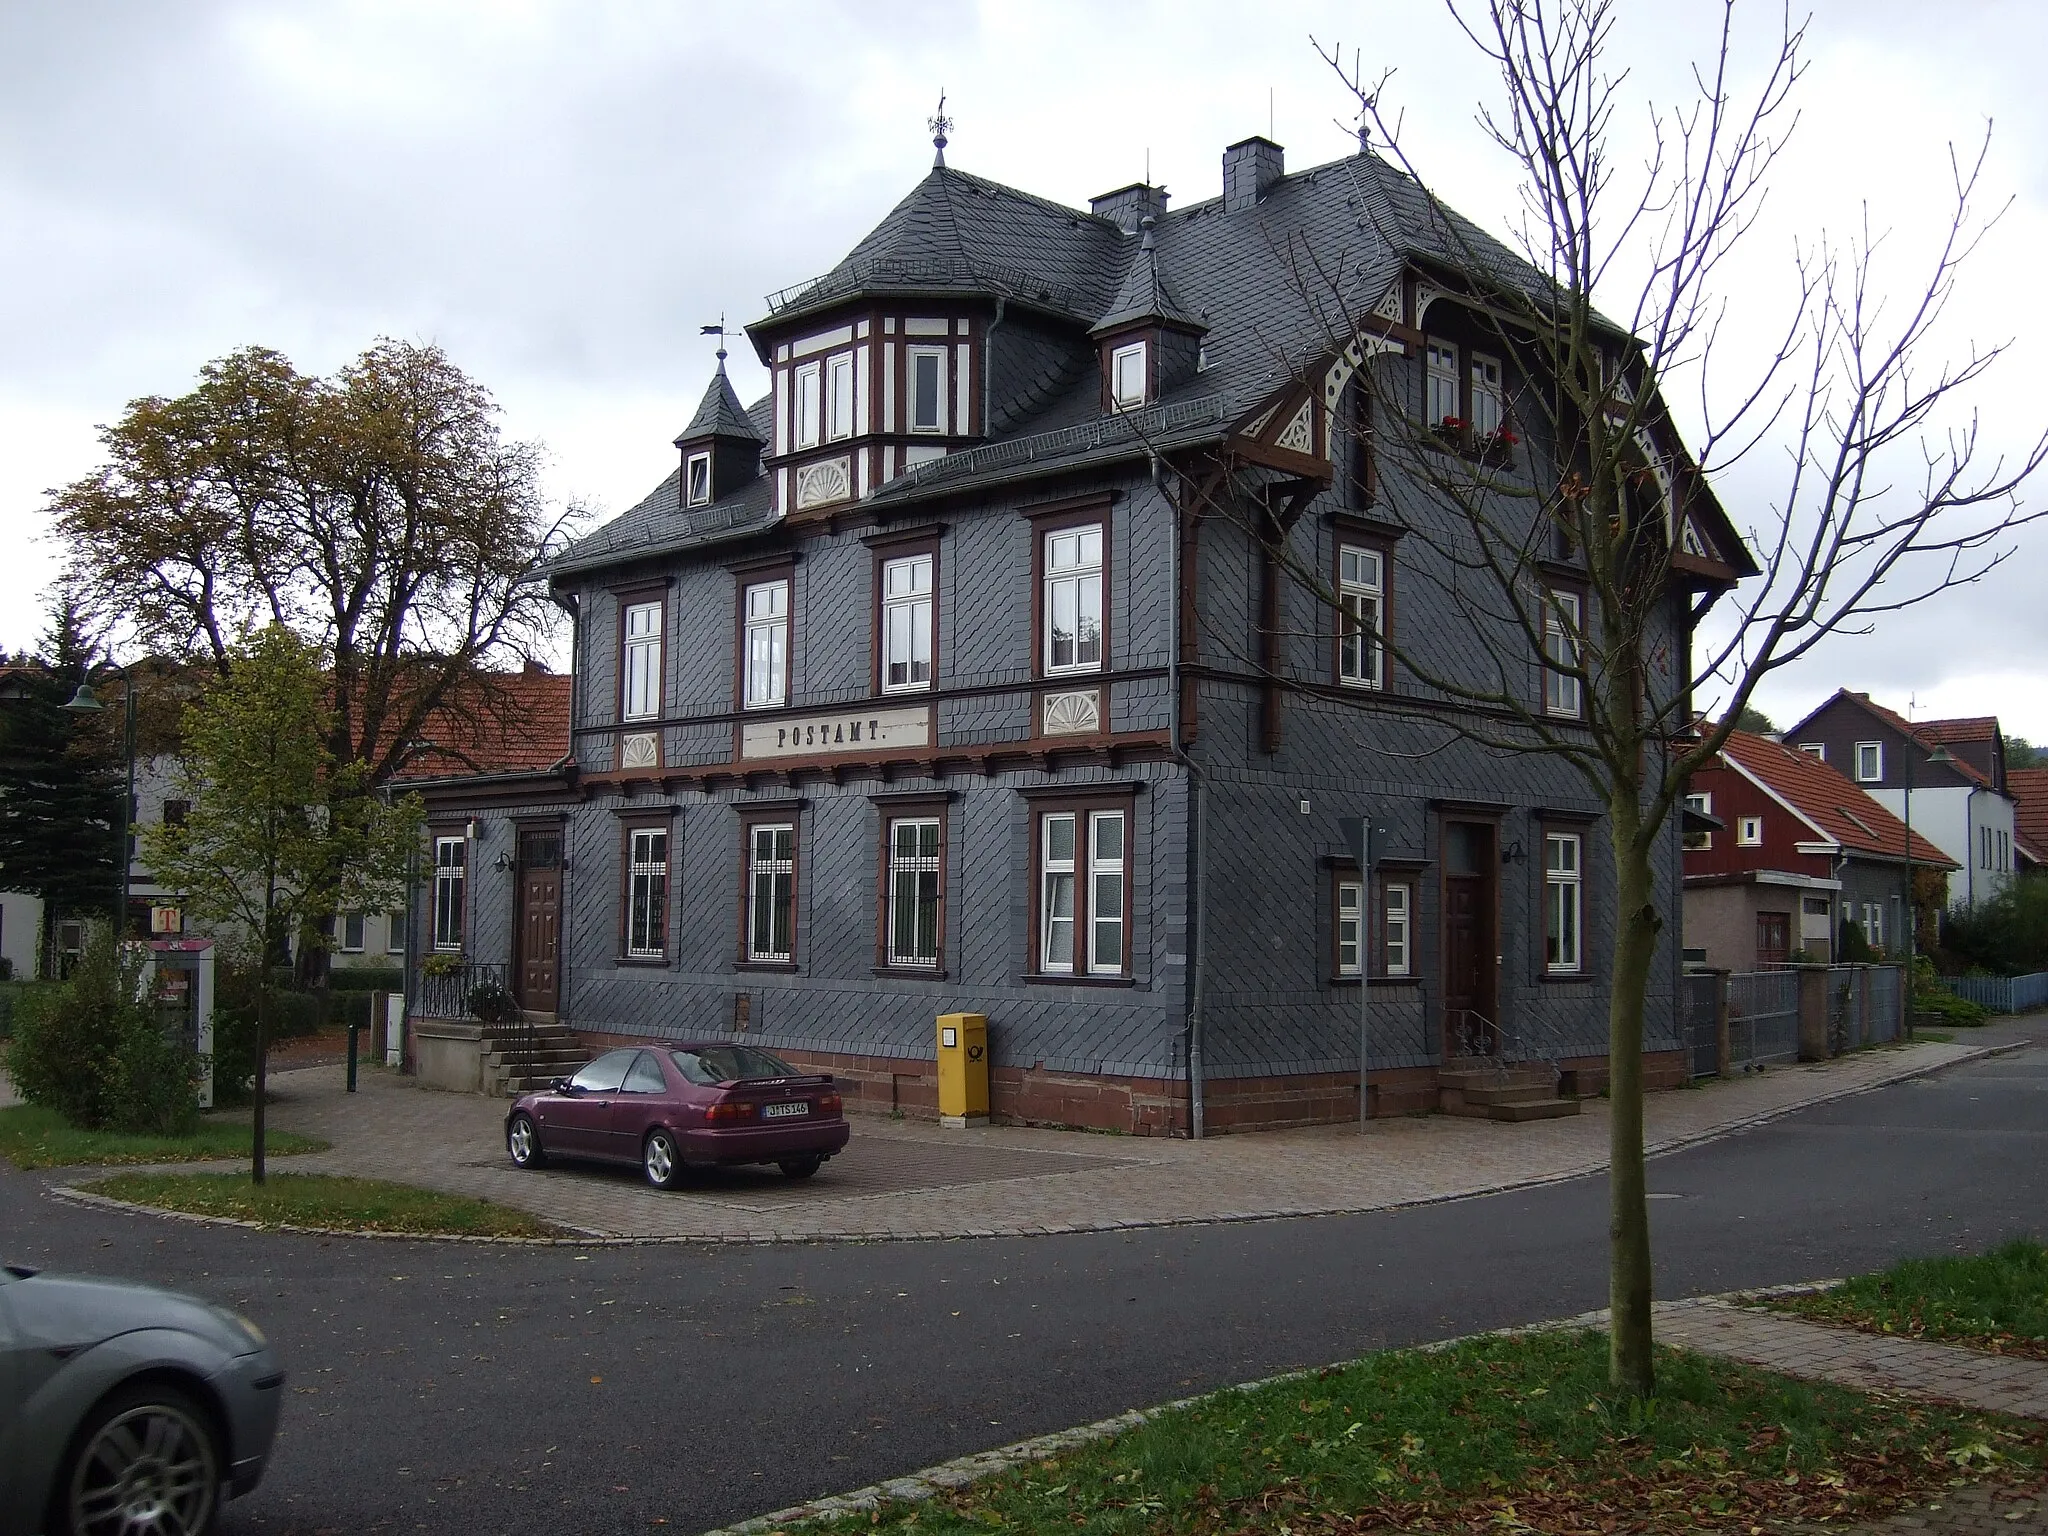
[(963, 1069)]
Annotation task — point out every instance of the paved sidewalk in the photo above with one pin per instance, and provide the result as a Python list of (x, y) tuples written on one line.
[(903, 1179)]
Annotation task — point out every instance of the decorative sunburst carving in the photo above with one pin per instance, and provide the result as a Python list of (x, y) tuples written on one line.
[(1073, 714), (642, 749), (819, 484)]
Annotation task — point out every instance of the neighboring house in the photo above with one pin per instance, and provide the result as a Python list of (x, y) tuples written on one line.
[(916, 687), (1962, 807), (2029, 790), (1799, 851)]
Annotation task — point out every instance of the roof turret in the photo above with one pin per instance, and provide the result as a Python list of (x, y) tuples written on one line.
[(1144, 297), (720, 414)]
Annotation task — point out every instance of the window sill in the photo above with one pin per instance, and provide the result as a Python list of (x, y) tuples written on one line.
[(788, 967), (915, 972), (1378, 981), (644, 962), (1062, 979), (1578, 975)]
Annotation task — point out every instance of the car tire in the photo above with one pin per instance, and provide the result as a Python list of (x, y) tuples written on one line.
[(661, 1159), (522, 1142), (145, 1449), (801, 1167)]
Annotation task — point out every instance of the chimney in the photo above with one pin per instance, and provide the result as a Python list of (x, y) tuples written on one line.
[(1250, 168), (1129, 206)]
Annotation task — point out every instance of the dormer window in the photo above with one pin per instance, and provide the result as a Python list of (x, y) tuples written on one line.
[(1127, 375), (1487, 399), (928, 389), (809, 402), (842, 422), (699, 480), (1440, 405)]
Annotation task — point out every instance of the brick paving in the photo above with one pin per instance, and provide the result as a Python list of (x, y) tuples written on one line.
[(912, 1179)]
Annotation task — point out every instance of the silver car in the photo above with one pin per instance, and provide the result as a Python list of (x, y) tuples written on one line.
[(125, 1408)]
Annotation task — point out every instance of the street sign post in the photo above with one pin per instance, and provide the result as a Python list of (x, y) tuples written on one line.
[(1366, 836)]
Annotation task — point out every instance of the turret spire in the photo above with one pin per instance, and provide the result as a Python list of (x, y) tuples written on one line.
[(940, 125)]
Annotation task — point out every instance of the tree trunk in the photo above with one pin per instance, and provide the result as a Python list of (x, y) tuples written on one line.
[(1629, 1363)]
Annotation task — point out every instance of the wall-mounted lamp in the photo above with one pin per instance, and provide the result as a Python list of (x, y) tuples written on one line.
[(502, 863), (1512, 853)]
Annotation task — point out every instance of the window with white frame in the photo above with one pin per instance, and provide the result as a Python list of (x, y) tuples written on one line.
[(1440, 401), (1488, 399), (1561, 631), (913, 906), (907, 624), (451, 858), (1817, 750), (1563, 901), (1873, 924), (841, 423), (767, 644), (1127, 375), (1397, 907), (352, 931), (1360, 593), (641, 672), (771, 891), (1073, 599), (809, 404), (646, 893), (927, 389), (1869, 762), (394, 933), (1749, 831), (1350, 926), (699, 476), (1703, 838), (1082, 887)]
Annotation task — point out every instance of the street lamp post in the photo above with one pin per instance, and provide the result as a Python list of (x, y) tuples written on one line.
[(1939, 757), (84, 702)]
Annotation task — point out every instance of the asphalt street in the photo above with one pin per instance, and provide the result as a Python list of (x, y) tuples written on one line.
[(451, 1387)]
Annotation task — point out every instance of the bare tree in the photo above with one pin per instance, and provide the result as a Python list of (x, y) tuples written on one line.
[(1573, 533)]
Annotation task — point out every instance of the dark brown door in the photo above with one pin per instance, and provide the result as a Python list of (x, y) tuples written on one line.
[(1773, 939), (1471, 872), (536, 969)]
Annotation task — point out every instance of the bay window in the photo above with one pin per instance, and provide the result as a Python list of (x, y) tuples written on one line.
[(842, 418), (927, 389), (809, 404)]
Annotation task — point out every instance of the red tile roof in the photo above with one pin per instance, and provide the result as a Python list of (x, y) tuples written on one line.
[(1843, 812), (1974, 728), (2029, 790), (508, 722)]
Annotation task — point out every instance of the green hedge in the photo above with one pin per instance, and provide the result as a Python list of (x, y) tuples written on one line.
[(366, 978)]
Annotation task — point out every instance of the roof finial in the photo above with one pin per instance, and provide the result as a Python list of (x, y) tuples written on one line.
[(940, 125), (1145, 240), (717, 330)]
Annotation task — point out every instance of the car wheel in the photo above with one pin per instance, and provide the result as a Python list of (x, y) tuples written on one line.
[(801, 1167), (661, 1160), (522, 1140), (148, 1459)]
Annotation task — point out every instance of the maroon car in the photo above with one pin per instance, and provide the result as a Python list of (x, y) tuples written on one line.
[(675, 1107)]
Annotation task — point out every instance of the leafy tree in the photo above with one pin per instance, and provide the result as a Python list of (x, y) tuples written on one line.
[(1584, 545), (379, 515), (60, 783), (2006, 933), (279, 833), (2022, 753), (1755, 721)]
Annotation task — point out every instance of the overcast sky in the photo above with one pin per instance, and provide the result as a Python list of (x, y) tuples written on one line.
[(560, 194)]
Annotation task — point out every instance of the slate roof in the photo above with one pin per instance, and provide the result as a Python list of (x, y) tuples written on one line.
[(1842, 812), (516, 722), (720, 414), (1272, 284), (1144, 295), (2029, 790)]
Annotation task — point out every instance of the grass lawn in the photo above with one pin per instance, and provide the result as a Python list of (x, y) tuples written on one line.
[(324, 1200), (1997, 1301), (1505, 1434), (34, 1137)]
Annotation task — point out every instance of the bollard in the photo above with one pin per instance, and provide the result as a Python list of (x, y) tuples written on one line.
[(353, 1028)]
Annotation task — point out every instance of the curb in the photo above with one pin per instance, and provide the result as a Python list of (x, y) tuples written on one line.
[(590, 1238), (916, 1487)]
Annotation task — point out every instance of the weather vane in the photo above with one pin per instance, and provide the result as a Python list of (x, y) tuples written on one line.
[(940, 125), (717, 330)]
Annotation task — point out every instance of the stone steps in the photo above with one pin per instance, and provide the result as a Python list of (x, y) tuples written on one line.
[(1511, 1094), (521, 1058)]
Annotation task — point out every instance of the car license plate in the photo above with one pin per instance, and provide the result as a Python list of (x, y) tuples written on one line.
[(785, 1111)]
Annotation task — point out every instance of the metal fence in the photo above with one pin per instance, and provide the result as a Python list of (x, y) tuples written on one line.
[(2002, 994), (445, 994), (1763, 1017), (1698, 997), (1863, 1006)]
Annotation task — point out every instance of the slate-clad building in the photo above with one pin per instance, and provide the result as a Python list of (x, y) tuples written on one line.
[(937, 681)]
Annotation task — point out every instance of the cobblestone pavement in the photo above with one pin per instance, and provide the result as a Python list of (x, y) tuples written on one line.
[(903, 1179), (1982, 1509)]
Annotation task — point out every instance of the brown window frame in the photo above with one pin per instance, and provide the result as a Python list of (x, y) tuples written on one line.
[(781, 813), (1060, 518), (456, 832), (1351, 537), (1548, 670), (884, 550), (1580, 832), (890, 810), (1082, 804), (1342, 873), (663, 822), (636, 596), (759, 574)]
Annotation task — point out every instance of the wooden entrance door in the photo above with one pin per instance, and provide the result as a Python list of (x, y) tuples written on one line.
[(1773, 939), (536, 968), (1471, 883)]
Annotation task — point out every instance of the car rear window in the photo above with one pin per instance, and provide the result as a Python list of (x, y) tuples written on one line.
[(730, 1063)]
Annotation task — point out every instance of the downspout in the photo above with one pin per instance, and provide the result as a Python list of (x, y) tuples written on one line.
[(1970, 841), (1191, 1033), (572, 605), (988, 359)]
